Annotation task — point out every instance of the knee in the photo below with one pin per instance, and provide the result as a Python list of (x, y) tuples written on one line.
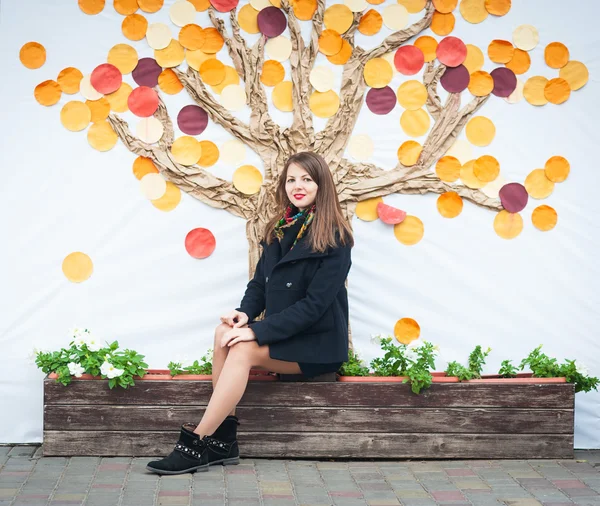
[(244, 351), (219, 331)]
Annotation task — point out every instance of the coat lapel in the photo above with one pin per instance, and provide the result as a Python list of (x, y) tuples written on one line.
[(300, 251)]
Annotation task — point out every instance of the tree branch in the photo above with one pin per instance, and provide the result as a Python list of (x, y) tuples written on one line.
[(431, 78)]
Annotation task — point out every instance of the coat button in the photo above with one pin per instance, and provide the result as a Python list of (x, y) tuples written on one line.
[(267, 279), (288, 284)]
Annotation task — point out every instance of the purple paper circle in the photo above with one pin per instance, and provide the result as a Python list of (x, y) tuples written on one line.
[(146, 72), (455, 79), (513, 197), (381, 100), (505, 81), (192, 120), (271, 21)]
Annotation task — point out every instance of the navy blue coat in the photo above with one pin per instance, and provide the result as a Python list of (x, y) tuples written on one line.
[(305, 300)]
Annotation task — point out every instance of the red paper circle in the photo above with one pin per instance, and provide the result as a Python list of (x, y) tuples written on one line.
[(455, 79), (143, 101), (381, 100), (389, 214), (106, 78), (271, 21), (409, 60), (513, 197), (451, 51), (224, 5), (200, 243)]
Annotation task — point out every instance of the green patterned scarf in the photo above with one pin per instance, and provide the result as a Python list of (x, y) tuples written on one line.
[(288, 220)]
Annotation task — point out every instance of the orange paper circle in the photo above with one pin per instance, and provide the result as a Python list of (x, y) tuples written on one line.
[(134, 27), (100, 109), (47, 93), (247, 179), (210, 154), (447, 168), (201, 5), (101, 136), (282, 96), (410, 231), (428, 45), (125, 7), (409, 152), (538, 185), (415, 123), (575, 73), (544, 218), (406, 330), (272, 73), (486, 168), (449, 204), (442, 24), (378, 73), (143, 166), (192, 37), (556, 55), (338, 17), (32, 55), (330, 42), (343, 56), (366, 210), (468, 177), (212, 72), (169, 82), (150, 5), (370, 23), (75, 116), (557, 169), (91, 7), (557, 90), (213, 41), (481, 83), (520, 62), (533, 91), (304, 10), (77, 267), (196, 58), (231, 77), (445, 6), (500, 51), (186, 150), (508, 225), (69, 80), (324, 105), (498, 7)]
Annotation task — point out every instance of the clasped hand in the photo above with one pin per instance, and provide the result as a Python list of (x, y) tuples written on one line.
[(237, 334)]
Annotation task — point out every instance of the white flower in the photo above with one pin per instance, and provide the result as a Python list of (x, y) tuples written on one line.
[(376, 338), (93, 344), (80, 341), (75, 369), (411, 355), (581, 369), (75, 332), (110, 371), (417, 343), (35, 352)]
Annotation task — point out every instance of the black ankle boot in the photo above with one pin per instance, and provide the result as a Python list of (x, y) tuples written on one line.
[(222, 444), (189, 455)]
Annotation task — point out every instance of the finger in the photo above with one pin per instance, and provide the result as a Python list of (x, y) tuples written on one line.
[(234, 341)]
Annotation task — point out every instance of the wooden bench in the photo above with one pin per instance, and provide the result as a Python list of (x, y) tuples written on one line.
[(319, 419)]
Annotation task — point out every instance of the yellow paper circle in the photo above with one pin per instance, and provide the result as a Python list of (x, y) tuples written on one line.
[(210, 154), (468, 177), (259, 5), (557, 90), (100, 109), (171, 56), (508, 225), (356, 5), (324, 105), (231, 77), (473, 11), (77, 267), (69, 80), (492, 190), (533, 91), (544, 218), (87, 90), (143, 166), (378, 73), (447, 168), (409, 152), (474, 60), (412, 95), (282, 96), (247, 179), (486, 168), (556, 55), (338, 17), (481, 83), (196, 58), (182, 13), (153, 186), (248, 19), (322, 78), (415, 123), (101, 136), (575, 73), (279, 48), (410, 231), (449, 204), (75, 116), (118, 99), (395, 16), (170, 200), (526, 37), (557, 169), (480, 131), (406, 330), (134, 27), (158, 35), (413, 6), (186, 150), (272, 73), (47, 93), (233, 97), (366, 210), (124, 57), (169, 83), (233, 152), (428, 45), (538, 186)]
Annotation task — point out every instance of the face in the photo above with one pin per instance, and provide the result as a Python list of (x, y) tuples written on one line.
[(299, 187)]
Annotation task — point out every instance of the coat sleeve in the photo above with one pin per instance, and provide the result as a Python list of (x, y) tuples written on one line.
[(253, 302), (320, 294)]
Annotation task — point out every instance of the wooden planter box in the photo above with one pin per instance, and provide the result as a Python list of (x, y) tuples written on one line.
[(319, 420)]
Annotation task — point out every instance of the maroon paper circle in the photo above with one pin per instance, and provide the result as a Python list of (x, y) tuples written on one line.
[(106, 78), (409, 60), (224, 5), (271, 21), (143, 101), (505, 81), (381, 100), (451, 51), (200, 243), (146, 72), (513, 197), (192, 120), (455, 79)]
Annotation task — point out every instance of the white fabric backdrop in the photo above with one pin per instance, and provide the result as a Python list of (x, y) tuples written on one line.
[(462, 283)]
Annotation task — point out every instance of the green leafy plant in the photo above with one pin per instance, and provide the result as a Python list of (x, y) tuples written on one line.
[(393, 362), (507, 369), (204, 366), (543, 366), (476, 362), (354, 366), (85, 355)]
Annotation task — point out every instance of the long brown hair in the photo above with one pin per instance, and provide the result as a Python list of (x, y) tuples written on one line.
[(329, 227)]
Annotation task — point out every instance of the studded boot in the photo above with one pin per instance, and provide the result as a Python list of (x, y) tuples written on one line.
[(189, 455), (222, 445)]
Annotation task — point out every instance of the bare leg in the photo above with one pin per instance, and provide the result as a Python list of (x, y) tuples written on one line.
[(219, 356), (234, 378)]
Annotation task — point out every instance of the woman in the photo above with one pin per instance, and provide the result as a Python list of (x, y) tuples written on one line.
[(300, 285)]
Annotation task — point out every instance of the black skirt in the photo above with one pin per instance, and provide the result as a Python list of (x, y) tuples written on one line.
[(311, 369)]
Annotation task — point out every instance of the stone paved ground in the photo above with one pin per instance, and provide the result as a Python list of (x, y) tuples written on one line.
[(28, 479)]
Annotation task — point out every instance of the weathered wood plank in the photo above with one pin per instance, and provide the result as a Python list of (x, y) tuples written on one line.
[(300, 419), (197, 393), (323, 445)]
